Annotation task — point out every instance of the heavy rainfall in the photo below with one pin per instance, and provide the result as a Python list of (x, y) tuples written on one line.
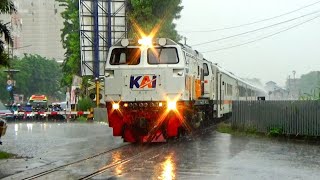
[(163, 89)]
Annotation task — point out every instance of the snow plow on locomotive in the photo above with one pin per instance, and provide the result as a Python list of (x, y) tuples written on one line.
[(157, 89)]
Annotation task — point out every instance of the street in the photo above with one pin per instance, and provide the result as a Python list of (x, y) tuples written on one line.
[(208, 155)]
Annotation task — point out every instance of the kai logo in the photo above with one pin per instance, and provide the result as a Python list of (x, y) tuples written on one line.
[(143, 82)]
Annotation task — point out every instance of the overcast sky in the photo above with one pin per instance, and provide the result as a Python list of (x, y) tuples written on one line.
[(273, 58)]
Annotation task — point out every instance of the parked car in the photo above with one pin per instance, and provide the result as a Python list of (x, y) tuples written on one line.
[(5, 113)]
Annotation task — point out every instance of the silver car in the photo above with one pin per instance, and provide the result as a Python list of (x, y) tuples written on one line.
[(4, 112)]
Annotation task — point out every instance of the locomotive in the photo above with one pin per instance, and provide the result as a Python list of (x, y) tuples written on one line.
[(157, 89)]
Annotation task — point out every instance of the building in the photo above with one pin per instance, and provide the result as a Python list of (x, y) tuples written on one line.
[(36, 28), (275, 92)]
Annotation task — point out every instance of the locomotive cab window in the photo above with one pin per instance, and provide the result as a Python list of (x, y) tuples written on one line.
[(206, 69), (125, 56), (161, 55)]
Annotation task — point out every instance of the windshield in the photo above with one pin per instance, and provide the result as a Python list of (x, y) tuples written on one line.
[(125, 56), (161, 55), (38, 103)]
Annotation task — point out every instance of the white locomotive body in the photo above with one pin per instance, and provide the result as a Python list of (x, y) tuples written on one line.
[(155, 90)]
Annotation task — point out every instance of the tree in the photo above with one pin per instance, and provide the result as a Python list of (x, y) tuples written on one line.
[(38, 75), (308, 85), (155, 17), (6, 6), (70, 38)]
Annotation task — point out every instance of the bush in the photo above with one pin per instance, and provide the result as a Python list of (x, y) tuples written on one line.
[(81, 119), (275, 131), (251, 130), (224, 128), (85, 104)]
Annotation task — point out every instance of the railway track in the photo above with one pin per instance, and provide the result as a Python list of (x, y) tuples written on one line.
[(41, 174), (142, 152), (120, 162)]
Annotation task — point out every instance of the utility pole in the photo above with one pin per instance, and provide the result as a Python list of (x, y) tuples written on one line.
[(294, 83), (11, 83)]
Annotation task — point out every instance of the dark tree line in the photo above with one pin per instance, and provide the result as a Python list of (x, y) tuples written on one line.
[(38, 75)]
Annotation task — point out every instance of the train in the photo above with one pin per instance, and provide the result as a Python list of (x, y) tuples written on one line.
[(158, 89)]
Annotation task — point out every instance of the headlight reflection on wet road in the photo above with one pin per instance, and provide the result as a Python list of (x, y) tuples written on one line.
[(116, 157), (16, 129), (168, 168), (29, 126)]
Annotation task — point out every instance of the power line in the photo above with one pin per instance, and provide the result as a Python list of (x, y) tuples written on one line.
[(249, 42), (247, 32), (255, 22)]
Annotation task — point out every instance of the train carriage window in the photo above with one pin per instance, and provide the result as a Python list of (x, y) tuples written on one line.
[(242, 91), (162, 55), (229, 89), (206, 69), (125, 56)]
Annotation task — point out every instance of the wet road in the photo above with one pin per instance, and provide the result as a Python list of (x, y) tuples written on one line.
[(210, 155)]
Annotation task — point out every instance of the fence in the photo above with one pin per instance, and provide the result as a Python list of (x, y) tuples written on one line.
[(292, 117)]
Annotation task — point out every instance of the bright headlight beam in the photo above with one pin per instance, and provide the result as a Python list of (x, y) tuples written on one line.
[(115, 106), (172, 105), (145, 41)]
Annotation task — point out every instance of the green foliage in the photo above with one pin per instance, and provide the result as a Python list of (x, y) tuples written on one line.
[(6, 6), (313, 95), (245, 131), (38, 75), (85, 104), (154, 17), (81, 119), (71, 40), (224, 127), (4, 155), (308, 86), (4, 59), (251, 130), (275, 131)]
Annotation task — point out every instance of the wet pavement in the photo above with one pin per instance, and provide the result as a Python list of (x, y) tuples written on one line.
[(210, 155), (43, 144)]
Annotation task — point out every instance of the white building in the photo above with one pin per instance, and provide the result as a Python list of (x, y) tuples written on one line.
[(36, 28)]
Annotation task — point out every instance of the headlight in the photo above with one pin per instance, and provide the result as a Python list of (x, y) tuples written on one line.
[(172, 105), (145, 41), (115, 106)]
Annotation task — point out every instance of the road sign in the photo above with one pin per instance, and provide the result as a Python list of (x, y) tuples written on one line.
[(9, 88), (9, 82), (93, 85)]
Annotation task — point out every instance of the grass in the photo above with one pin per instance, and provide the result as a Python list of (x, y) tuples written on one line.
[(227, 128), (5, 155), (274, 133)]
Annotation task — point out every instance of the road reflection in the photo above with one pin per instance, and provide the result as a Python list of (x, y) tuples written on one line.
[(168, 168), (16, 129), (116, 158), (29, 126)]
